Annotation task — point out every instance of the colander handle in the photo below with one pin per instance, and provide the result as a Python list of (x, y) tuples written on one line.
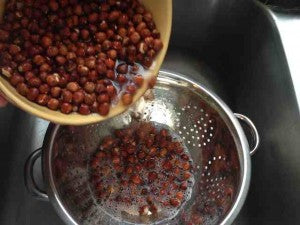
[(30, 183), (253, 130)]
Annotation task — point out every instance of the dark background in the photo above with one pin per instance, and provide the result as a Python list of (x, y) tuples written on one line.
[(232, 47)]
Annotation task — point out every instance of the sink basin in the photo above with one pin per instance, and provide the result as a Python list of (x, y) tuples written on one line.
[(235, 49)]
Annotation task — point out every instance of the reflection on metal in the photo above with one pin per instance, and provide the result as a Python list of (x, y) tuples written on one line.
[(286, 17), (289, 29)]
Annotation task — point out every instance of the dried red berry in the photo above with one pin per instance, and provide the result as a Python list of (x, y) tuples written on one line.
[(167, 165), (175, 202), (183, 185), (136, 179), (152, 176), (186, 166), (187, 175), (104, 109), (127, 99)]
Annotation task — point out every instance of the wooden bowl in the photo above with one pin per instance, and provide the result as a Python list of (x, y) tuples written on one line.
[(162, 14)]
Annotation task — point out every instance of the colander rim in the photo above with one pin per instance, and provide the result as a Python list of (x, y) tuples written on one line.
[(243, 143)]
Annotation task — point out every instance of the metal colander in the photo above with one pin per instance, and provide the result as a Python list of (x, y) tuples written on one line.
[(209, 130)]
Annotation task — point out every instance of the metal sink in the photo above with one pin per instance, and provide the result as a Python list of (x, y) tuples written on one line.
[(235, 48)]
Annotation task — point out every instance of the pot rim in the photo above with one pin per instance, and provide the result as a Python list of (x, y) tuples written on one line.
[(239, 138)]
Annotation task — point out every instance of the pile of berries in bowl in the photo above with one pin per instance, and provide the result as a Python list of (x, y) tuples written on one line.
[(78, 57)]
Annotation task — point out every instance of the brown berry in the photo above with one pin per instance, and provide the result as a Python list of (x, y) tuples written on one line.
[(111, 90), (89, 99), (103, 109), (90, 63), (53, 104), (131, 88), (15, 79), (34, 82), (113, 16), (32, 94), (67, 96), (110, 63), (122, 68), (101, 68), (53, 5), (187, 175), (102, 98), (183, 185), (167, 165), (112, 54), (52, 51), (66, 108), (179, 195), (44, 89), (85, 34), (136, 179), (163, 152), (157, 45), (42, 99), (78, 97), (78, 10), (46, 41), (175, 202), (93, 17), (45, 68), (14, 49), (24, 67), (84, 109), (55, 92), (22, 89), (73, 86), (83, 70), (135, 37), (52, 80), (152, 176), (106, 45), (100, 37), (186, 166), (38, 60), (129, 170)]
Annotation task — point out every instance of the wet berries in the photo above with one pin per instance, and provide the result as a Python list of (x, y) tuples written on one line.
[(151, 174), (75, 46)]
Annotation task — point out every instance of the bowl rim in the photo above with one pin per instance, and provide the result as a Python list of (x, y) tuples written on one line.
[(240, 141)]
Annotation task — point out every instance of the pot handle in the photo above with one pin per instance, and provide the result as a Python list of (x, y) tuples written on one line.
[(30, 183), (253, 130)]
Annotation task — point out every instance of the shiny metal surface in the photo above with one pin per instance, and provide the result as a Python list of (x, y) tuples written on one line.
[(201, 120), (288, 24), (234, 48), (282, 4), (29, 179), (253, 131), (286, 16)]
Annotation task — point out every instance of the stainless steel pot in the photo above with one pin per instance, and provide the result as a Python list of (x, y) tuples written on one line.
[(208, 128)]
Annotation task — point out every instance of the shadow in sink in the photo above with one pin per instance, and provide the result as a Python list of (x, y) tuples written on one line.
[(240, 43), (233, 48), (23, 133)]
